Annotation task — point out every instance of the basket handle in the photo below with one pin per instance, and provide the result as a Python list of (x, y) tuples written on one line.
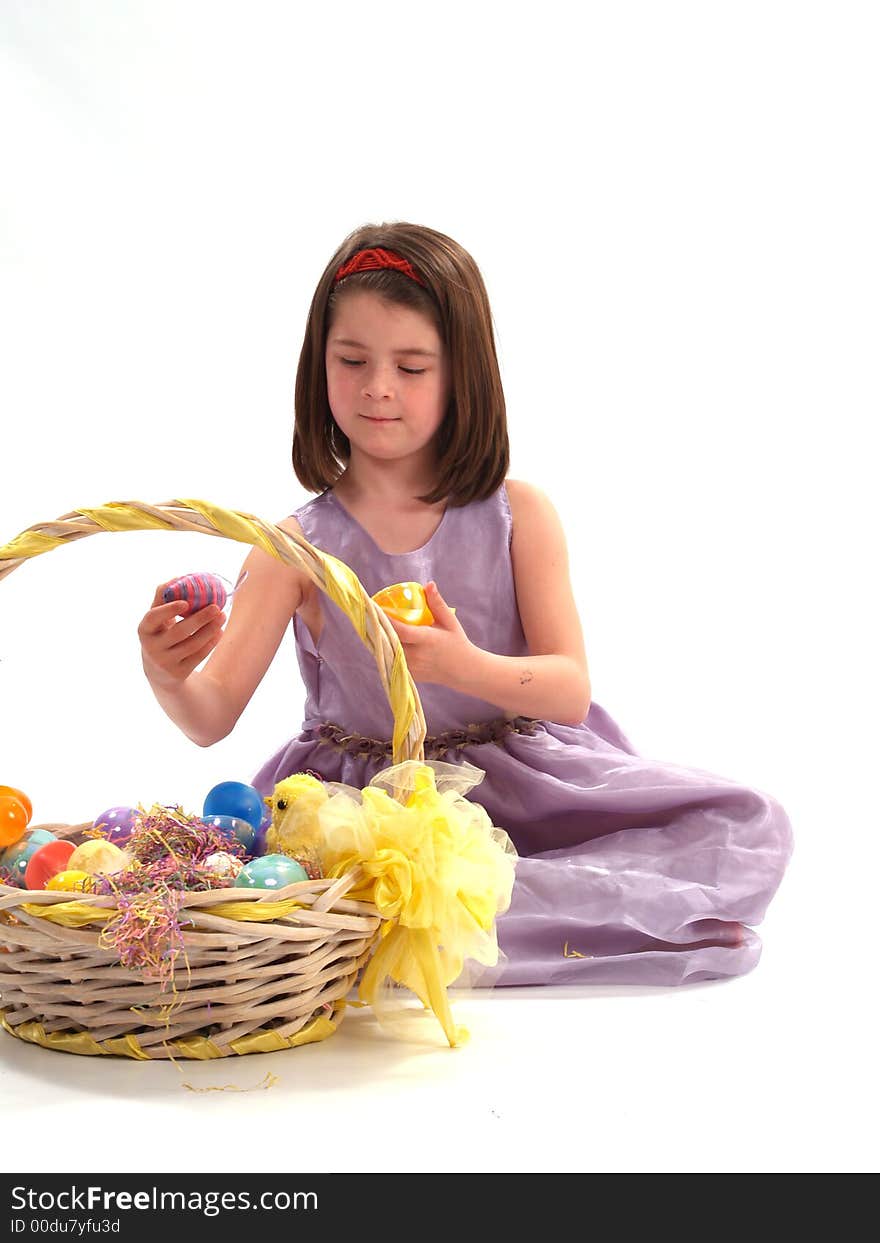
[(331, 575)]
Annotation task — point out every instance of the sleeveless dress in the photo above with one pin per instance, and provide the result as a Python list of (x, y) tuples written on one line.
[(630, 871)]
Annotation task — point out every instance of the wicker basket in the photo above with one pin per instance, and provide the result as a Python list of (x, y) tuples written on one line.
[(251, 983)]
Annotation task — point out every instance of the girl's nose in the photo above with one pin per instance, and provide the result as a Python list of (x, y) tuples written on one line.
[(378, 383)]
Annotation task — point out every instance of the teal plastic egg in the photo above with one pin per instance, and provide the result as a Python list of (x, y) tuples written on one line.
[(11, 853), (17, 860), (17, 856), (270, 872)]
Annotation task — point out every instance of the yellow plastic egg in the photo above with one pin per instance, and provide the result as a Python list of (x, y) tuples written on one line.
[(97, 855), (405, 602), (79, 882)]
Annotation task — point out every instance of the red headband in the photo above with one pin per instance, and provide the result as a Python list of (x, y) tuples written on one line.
[(367, 260)]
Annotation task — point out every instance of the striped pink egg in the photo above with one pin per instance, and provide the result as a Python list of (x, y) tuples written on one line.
[(199, 589)]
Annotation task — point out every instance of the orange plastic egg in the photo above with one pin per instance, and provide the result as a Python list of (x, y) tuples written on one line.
[(405, 602), (14, 819), (22, 798), (47, 862)]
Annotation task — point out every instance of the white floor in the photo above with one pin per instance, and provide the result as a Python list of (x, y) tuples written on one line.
[(774, 1071)]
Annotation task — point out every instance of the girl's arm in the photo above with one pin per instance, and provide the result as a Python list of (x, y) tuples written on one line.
[(262, 609), (553, 682), (207, 703)]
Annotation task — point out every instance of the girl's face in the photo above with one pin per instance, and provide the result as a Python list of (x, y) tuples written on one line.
[(388, 376)]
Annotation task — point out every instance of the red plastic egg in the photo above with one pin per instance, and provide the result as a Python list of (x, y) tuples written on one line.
[(47, 862)]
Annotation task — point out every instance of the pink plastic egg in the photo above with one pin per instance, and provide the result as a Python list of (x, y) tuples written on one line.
[(199, 590)]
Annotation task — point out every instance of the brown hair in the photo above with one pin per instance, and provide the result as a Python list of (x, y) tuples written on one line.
[(473, 450)]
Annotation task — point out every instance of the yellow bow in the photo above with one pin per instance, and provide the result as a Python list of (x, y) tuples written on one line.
[(437, 870)]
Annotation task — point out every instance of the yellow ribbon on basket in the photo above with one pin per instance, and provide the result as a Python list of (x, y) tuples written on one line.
[(71, 914), (437, 870), (78, 914), (263, 1040)]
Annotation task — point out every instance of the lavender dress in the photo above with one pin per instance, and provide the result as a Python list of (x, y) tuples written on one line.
[(631, 871)]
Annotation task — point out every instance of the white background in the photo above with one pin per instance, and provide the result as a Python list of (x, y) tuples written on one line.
[(674, 207)]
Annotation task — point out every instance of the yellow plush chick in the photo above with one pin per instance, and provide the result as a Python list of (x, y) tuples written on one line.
[(295, 829)]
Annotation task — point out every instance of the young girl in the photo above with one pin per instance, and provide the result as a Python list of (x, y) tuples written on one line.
[(631, 871)]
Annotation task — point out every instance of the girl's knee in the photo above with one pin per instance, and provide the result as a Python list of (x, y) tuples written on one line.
[(779, 826), (773, 843)]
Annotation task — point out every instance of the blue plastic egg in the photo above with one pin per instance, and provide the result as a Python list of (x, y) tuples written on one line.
[(233, 827), (270, 872), (234, 798)]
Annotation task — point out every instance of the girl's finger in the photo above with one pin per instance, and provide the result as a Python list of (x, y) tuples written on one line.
[(408, 634), (159, 619), (196, 659), (193, 628), (178, 631), (204, 638), (157, 598)]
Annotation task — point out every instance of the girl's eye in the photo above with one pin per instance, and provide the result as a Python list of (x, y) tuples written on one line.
[(351, 362)]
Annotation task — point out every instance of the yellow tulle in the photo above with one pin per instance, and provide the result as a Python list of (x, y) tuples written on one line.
[(436, 867)]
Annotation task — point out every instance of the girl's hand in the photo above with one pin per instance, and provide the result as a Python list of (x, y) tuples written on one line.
[(171, 649), (435, 653)]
